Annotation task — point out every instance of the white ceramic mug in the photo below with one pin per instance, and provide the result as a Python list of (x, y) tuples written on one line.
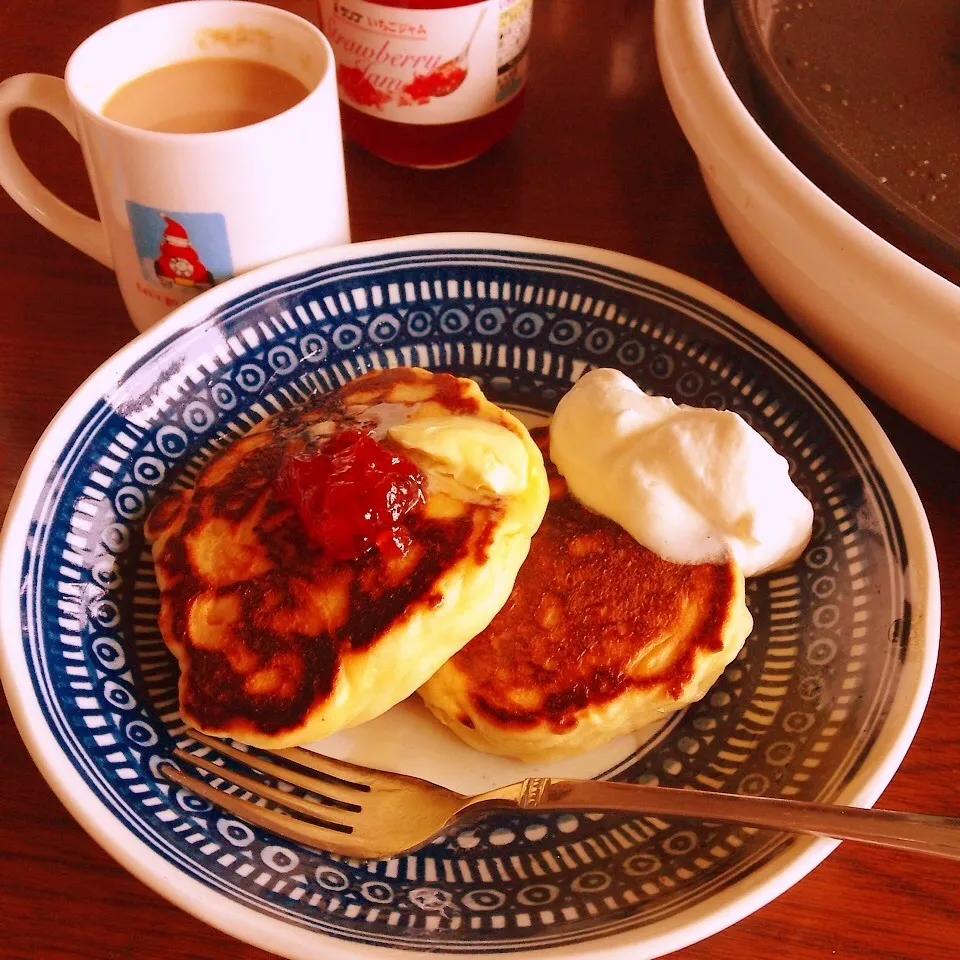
[(179, 212)]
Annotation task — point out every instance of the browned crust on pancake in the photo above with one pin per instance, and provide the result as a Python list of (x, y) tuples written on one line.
[(269, 585), (588, 601)]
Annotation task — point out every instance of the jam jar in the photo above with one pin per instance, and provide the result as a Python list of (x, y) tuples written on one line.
[(429, 83)]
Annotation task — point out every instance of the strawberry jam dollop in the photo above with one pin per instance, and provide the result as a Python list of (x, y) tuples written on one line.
[(352, 494)]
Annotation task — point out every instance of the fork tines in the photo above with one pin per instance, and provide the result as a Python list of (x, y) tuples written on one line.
[(334, 789)]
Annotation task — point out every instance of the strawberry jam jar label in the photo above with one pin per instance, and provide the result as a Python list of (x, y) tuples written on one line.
[(428, 66)]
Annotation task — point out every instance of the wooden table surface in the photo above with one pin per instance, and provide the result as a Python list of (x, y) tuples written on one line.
[(597, 159)]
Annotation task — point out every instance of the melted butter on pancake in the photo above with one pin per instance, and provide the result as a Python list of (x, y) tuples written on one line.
[(278, 643), (600, 636), (472, 453)]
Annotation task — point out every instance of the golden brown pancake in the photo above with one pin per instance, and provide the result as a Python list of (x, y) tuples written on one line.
[(278, 642), (599, 638)]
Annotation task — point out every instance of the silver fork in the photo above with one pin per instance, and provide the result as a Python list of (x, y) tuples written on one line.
[(371, 814)]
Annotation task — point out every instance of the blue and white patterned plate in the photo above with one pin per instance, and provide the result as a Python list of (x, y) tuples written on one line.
[(821, 704)]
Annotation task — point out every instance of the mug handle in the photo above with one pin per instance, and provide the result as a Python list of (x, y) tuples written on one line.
[(49, 94)]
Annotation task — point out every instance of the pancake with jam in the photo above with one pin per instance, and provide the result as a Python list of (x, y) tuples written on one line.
[(327, 563), (599, 638)]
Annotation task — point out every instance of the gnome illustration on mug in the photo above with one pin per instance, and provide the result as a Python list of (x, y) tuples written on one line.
[(178, 262)]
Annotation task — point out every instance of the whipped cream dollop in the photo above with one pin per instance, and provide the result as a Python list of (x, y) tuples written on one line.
[(690, 484)]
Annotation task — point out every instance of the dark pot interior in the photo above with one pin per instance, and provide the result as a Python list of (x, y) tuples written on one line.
[(864, 97)]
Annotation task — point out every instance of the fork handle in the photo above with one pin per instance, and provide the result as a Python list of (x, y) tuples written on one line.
[(918, 832)]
